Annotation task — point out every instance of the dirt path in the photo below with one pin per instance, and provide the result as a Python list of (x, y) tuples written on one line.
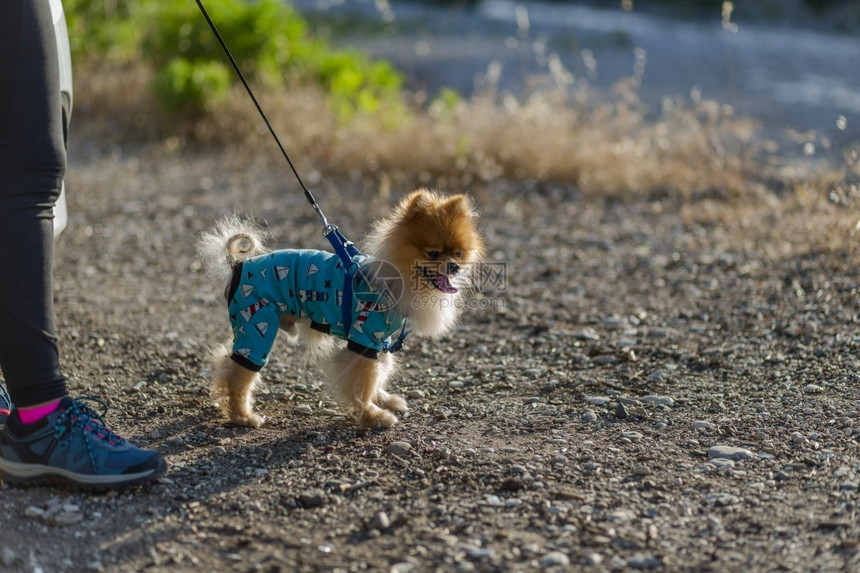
[(573, 422)]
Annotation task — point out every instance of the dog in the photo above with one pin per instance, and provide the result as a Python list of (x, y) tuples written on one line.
[(417, 262)]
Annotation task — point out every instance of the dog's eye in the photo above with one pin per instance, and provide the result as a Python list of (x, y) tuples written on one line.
[(433, 254), (458, 254)]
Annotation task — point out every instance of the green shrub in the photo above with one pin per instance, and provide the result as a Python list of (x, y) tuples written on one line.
[(268, 38), (191, 87)]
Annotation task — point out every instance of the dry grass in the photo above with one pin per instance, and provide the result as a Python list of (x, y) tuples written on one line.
[(695, 152)]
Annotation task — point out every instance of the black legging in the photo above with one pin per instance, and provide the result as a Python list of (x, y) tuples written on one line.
[(32, 166)]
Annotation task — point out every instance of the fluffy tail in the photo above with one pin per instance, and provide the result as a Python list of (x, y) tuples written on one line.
[(233, 240)]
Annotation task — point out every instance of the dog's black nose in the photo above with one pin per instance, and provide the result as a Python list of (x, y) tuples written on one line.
[(453, 268)]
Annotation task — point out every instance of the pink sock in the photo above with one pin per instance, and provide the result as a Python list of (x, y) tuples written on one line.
[(30, 415)]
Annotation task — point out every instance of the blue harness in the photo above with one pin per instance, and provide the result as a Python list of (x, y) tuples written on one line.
[(347, 253)]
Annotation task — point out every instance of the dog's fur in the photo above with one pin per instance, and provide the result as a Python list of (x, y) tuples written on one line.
[(425, 232)]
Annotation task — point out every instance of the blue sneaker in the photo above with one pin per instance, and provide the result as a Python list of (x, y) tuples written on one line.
[(73, 446)]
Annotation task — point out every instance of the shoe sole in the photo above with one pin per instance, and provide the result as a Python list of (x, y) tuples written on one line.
[(36, 474)]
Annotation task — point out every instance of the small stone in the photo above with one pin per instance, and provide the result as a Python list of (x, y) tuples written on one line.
[(646, 562), (662, 400), (477, 553), (304, 409), (219, 450), (493, 500), (586, 333), (311, 498), (34, 511), (589, 416), (722, 499), (641, 470), (598, 400), (722, 463), (701, 425), (730, 453), (554, 559), (399, 448), (7, 557), (414, 394), (380, 521), (813, 389), (621, 411)]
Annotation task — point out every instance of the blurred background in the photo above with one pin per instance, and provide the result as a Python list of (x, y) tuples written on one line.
[(793, 65)]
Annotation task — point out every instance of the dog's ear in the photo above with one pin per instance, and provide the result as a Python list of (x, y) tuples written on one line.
[(419, 201), (460, 205)]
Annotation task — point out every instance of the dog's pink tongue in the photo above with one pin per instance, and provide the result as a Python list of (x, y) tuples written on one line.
[(445, 285)]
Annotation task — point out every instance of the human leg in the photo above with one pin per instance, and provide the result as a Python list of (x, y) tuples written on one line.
[(49, 436)]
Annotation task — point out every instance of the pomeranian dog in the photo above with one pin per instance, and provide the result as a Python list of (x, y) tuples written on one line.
[(416, 264)]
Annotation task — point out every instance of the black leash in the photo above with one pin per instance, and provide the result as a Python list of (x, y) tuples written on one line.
[(308, 195)]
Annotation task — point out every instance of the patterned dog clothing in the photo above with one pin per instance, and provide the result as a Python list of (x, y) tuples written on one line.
[(306, 284)]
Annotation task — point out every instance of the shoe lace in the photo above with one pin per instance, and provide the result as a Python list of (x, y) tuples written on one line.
[(5, 400), (84, 418)]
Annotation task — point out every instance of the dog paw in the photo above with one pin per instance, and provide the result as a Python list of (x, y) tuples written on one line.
[(252, 420), (392, 402), (376, 418)]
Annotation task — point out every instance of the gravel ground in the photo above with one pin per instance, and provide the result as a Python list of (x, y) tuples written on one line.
[(645, 391)]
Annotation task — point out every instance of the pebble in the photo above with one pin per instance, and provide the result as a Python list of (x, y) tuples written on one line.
[(380, 521), (311, 498), (414, 394), (730, 453), (813, 389), (722, 499), (586, 333), (645, 562), (621, 411), (304, 409), (399, 448), (722, 463), (701, 425), (598, 400), (661, 400), (589, 416), (641, 470), (554, 559), (34, 511)]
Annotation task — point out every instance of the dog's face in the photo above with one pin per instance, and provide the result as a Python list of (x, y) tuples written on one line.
[(433, 241)]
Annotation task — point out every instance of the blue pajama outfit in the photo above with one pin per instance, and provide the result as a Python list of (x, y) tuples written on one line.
[(307, 284)]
